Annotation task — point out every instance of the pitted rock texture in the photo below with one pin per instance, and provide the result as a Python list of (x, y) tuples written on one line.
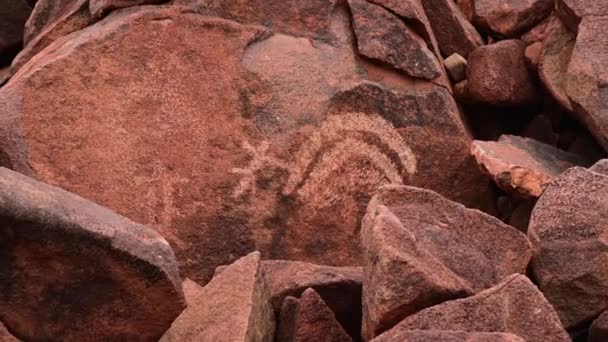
[(309, 138), (514, 306), (567, 230), (522, 166), (422, 249), (68, 262)]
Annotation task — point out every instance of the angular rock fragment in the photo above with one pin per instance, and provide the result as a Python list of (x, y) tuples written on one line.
[(456, 66), (510, 18), (514, 306), (567, 230), (453, 31), (497, 75), (598, 332), (71, 266), (522, 166), (309, 319), (532, 55), (13, 15), (445, 335), (303, 126), (422, 249), (233, 306), (383, 36), (554, 60)]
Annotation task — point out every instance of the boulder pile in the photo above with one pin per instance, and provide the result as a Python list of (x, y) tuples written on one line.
[(310, 170)]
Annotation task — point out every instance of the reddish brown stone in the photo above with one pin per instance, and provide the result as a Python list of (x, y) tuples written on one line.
[(70, 266), (573, 11), (567, 230), (587, 76), (466, 7), (554, 60), (539, 33), (233, 306), (510, 18), (13, 14), (303, 128), (5, 335), (453, 31), (383, 36), (514, 306), (456, 67), (422, 249), (598, 332), (497, 75), (443, 336), (100, 8), (522, 166), (532, 55), (309, 319), (600, 167)]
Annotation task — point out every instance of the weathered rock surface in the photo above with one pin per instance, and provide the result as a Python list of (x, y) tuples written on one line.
[(453, 31), (99, 8), (422, 249), (384, 37), (522, 166), (567, 230), (514, 306), (309, 319), (456, 67), (497, 75), (573, 11), (445, 335), (598, 332), (554, 60), (68, 262), (600, 167), (6, 336), (233, 306), (13, 15), (510, 18), (587, 76), (299, 116)]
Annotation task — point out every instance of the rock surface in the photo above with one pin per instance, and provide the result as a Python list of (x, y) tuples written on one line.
[(383, 36), (5, 335), (567, 230), (598, 332), (68, 262), (456, 66), (13, 15), (522, 166), (514, 306), (497, 75), (600, 167), (510, 18), (100, 8), (298, 112), (422, 249), (453, 31), (234, 306), (309, 319), (445, 335)]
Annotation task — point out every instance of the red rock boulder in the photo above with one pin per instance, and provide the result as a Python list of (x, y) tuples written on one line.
[(567, 230), (446, 335), (75, 271), (510, 18), (514, 306)]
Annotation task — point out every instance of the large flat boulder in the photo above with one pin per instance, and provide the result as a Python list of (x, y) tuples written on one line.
[(75, 271), (277, 142), (510, 18), (522, 166), (514, 306), (567, 230), (233, 306), (422, 249)]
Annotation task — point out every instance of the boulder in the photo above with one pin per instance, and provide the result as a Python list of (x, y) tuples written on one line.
[(522, 166), (510, 18), (554, 60), (453, 31), (598, 332), (69, 267), (233, 306), (309, 319), (384, 37), (567, 231), (264, 168), (456, 66), (445, 335), (514, 306), (497, 75), (100, 8), (421, 249), (13, 15)]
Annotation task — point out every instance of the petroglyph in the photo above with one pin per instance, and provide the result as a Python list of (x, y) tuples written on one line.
[(313, 165), (260, 158)]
